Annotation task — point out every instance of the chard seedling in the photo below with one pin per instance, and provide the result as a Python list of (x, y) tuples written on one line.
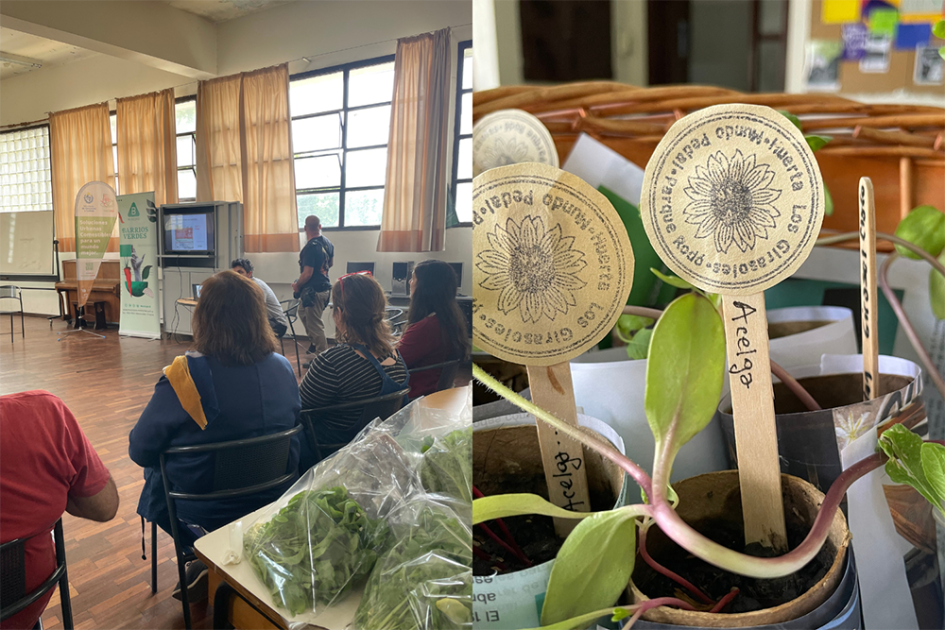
[(683, 384)]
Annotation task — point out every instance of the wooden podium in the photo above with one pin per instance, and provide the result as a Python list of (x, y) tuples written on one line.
[(105, 289)]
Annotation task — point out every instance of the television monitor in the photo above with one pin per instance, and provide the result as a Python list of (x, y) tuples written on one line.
[(400, 278), (355, 267), (197, 288), (189, 231)]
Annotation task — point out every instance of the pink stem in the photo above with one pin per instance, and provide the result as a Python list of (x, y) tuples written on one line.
[(668, 573), (505, 532), (656, 603), (491, 534), (791, 383), (725, 600)]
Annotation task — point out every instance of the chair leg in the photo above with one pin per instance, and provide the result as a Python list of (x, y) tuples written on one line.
[(22, 325), (185, 602), (154, 561), (295, 340), (65, 600)]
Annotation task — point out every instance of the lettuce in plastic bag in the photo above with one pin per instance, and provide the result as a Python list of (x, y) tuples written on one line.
[(425, 580), (447, 464), (314, 549)]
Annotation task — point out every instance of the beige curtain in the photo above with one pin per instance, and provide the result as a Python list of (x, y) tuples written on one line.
[(415, 188), (219, 163), (270, 215), (244, 153), (81, 142), (147, 145)]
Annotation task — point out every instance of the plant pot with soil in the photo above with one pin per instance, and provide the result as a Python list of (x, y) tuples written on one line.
[(799, 335), (684, 375), (508, 592)]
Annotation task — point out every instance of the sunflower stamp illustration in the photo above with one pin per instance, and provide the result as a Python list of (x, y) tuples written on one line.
[(732, 198), (511, 136), (552, 264)]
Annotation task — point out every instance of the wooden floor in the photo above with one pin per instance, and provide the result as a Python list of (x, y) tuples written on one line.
[(106, 383)]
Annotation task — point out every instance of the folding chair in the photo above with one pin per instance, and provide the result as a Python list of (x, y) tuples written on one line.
[(13, 595), (291, 310), (11, 292), (242, 468)]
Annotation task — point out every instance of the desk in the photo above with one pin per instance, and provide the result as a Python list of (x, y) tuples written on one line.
[(211, 548), (189, 302)]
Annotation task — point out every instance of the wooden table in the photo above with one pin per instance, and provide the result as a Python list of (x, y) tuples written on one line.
[(191, 302), (211, 548)]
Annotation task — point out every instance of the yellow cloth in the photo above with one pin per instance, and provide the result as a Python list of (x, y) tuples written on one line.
[(178, 374)]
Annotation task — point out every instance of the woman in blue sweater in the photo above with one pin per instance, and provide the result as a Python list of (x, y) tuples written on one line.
[(233, 386)]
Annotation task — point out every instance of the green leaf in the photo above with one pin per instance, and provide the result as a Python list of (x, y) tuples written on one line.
[(620, 613), (939, 29), (628, 325), (583, 621), (904, 449), (639, 346), (923, 226), (817, 142), (828, 202), (593, 566), (933, 464), (679, 283), (685, 370), (145, 272), (506, 505), (937, 290), (794, 119)]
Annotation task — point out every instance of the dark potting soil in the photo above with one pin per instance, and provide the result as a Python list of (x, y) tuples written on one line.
[(534, 534), (754, 594)]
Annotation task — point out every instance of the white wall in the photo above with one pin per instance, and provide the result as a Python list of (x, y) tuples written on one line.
[(327, 33)]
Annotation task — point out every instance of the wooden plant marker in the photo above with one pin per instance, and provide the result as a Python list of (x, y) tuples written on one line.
[(868, 297), (733, 202), (552, 269)]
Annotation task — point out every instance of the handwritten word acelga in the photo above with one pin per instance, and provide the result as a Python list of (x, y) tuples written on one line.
[(743, 346), (563, 459)]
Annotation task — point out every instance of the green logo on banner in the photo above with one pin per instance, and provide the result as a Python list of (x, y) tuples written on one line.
[(133, 212)]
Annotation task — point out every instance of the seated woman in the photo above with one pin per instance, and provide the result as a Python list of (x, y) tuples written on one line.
[(233, 386), (363, 365), (436, 330)]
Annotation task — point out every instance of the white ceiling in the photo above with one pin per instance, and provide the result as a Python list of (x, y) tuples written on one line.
[(47, 52), (224, 10)]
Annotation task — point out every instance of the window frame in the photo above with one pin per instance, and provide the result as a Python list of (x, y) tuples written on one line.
[(178, 101), (52, 184), (457, 124), (341, 189)]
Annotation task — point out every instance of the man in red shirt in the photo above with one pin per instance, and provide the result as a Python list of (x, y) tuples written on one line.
[(47, 466)]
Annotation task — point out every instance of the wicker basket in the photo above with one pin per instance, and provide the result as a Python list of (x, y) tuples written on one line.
[(900, 147)]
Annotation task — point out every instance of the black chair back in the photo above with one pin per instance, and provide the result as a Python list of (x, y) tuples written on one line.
[(241, 468), (291, 310), (382, 407), (13, 595), (448, 371)]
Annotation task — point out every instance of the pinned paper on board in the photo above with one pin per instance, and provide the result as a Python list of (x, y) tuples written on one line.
[(876, 57), (921, 10), (823, 65), (929, 66), (854, 41), (883, 22), (840, 11), (909, 36)]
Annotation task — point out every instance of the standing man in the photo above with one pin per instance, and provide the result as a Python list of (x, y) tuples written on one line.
[(313, 286), (277, 318)]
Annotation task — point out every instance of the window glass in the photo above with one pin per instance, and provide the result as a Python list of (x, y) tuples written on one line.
[(323, 205), (321, 93), (366, 168), (323, 171), (25, 171), (369, 127), (371, 84), (364, 207), (316, 134)]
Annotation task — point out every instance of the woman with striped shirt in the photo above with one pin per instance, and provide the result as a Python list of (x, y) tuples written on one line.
[(364, 365)]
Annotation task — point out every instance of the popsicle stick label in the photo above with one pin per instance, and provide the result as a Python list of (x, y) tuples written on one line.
[(733, 199), (511, 136), (869, 308), (552, 264)]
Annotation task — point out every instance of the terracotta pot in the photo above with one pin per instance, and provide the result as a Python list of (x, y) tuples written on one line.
[(505, 450), (716, 497)]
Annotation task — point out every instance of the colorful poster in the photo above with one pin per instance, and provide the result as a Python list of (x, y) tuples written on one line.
[(883, 22), (140, 304), (876, 59), (854, 41), (823, 65), (95, 213), (840, 11), (910, 36), (929, 66)]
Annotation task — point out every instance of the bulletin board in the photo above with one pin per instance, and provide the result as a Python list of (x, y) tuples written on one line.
[(871, 46)]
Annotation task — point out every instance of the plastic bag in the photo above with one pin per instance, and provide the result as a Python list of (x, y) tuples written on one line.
[(424, 581), (447, 464)]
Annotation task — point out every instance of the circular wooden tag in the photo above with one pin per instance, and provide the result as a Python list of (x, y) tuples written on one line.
[(552, 264), (733, 199), (511, 136)]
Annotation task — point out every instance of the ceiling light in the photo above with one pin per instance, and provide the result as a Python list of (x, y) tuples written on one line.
[(20, 61)]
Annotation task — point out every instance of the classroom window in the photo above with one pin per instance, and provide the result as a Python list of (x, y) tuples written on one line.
[(113, 120), (25, 171), (340, 130), (462, 140), (185, 112)]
